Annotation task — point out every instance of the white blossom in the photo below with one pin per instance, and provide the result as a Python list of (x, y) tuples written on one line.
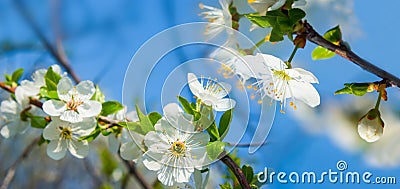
[(219, 19), (262, 6), (74, 103), (32, 88), (174, 148), (65, 135), (370, 126), (11, 122), (211, 93), (280, 82)]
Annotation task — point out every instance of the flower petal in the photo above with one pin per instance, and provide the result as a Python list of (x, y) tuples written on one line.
[(85, 127), (195, 86), (305, 92), (225, 104), (54, 107), (71, 116), (130, 151), (56, 149), (90, 108), (156, 141), (300, 74), (272, 62), (9, 106), (52, 132), (85, 90), (152, 160), (64, 89), (79, 149)]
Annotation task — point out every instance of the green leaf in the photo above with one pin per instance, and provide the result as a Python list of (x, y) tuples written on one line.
[(321, 53), (333, 35), (44, 93), (92, 135), (145, 123), (225, 186), (213, 132), (98, 95), (261, 21), (8, 77), (296, 15), (111, 107), (357, 89), (214, 149), (248, 173), (51, 78), (17, 75), (154, 117), (186, 105), (224, 124), (38, 122)]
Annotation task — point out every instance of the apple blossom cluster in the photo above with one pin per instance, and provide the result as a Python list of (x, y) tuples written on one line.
[(269, 75), (177, 146)]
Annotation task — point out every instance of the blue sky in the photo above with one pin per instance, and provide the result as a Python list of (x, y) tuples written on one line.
[(101, 37)]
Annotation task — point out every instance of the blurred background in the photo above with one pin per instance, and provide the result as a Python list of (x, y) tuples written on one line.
[(100, 38)]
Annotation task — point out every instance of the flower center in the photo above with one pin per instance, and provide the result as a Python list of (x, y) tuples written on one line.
[(74, 104), (178, 148), (281, 74), (213, 87), (66, 133)]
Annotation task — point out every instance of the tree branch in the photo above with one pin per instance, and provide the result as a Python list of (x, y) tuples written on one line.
[(236, 170), (133, 171), (341, 50), (7, 88), (11, 171), (60, 57)]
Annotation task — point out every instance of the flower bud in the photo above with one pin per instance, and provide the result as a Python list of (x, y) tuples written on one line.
[(370, 126)]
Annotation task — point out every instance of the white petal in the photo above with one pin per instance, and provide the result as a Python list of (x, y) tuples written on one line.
[(85, 127), (30, 88), (6, 133), (130, 151), (90, 108), (277, 5), (195, 86), (85, 90), (132, 116), (157, 141), (175, 116), (54, 107), (56, 149), (22, 97), (38, 77), (225, 104), (300, 74), (152, 160), (79, 149), (272, 62), (305, 92), (52, 131), (198, 139), (71, 116), (9, 106), (57, 69), (63, 89)]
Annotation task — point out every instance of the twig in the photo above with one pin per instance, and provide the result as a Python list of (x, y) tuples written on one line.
[(7, 88), (341, 50), (236, 170), (11, 171), (133, 171), (53, 51)]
